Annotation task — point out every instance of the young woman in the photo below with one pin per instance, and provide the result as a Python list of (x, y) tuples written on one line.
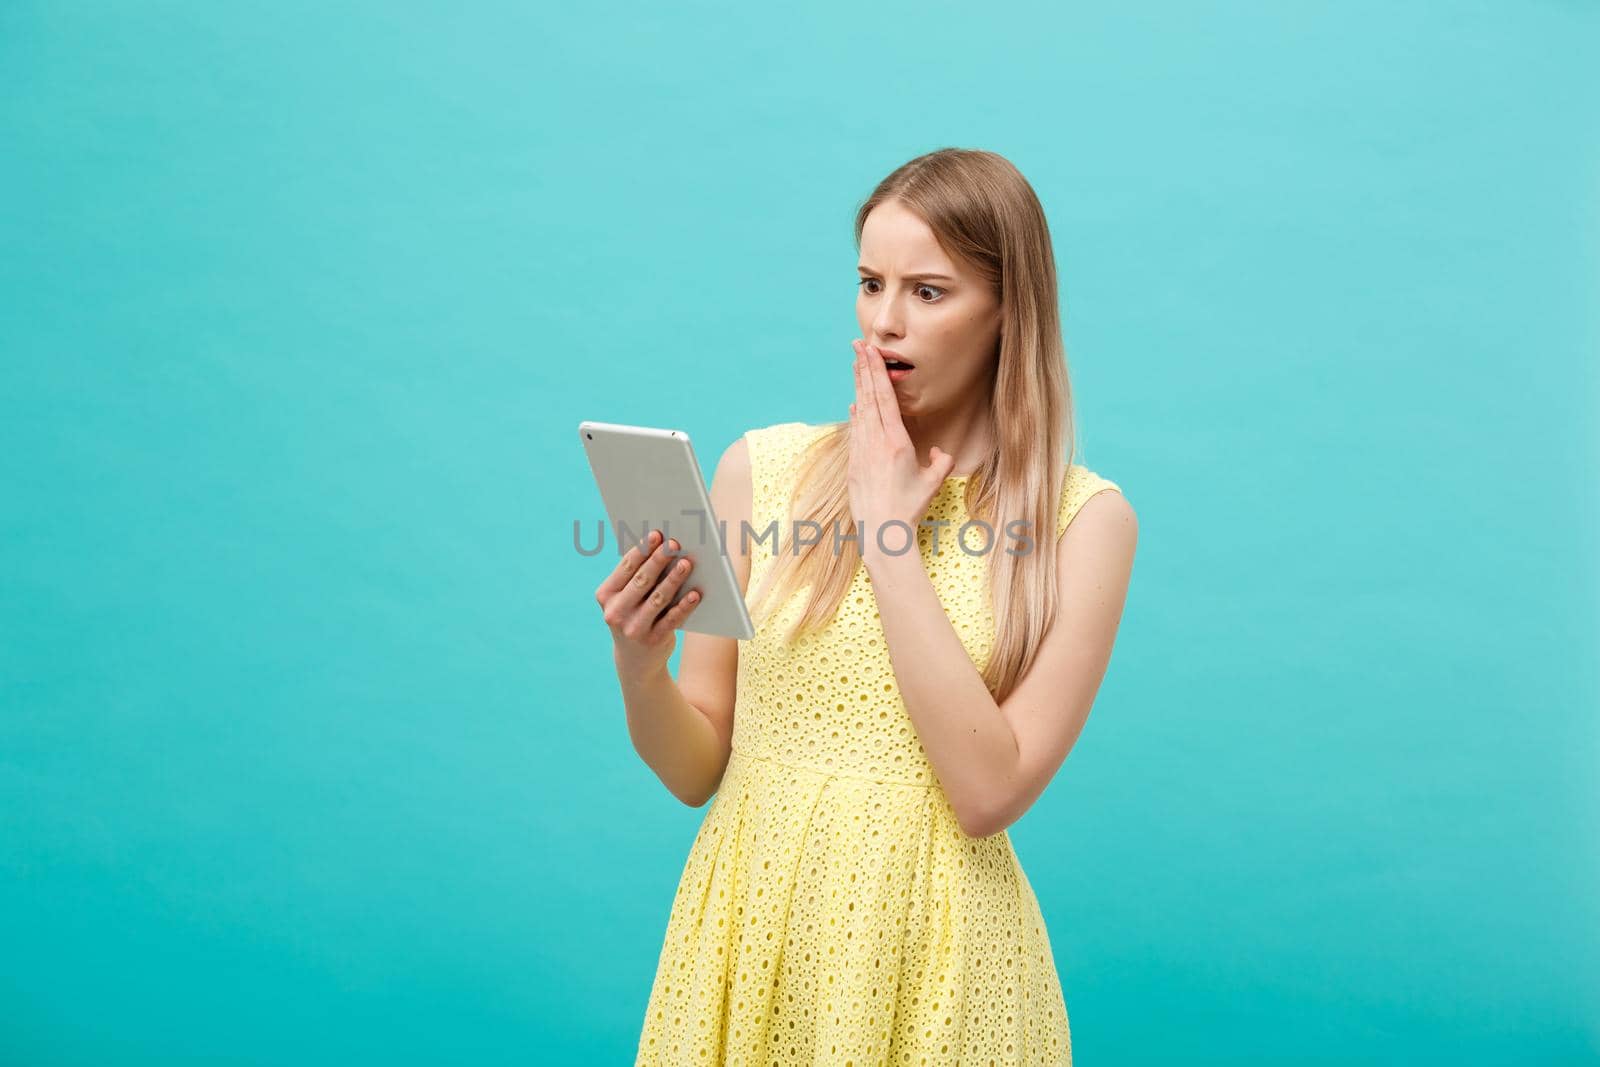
[(916, 678)]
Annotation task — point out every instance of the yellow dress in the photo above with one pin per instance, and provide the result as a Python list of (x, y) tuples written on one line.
[(831, 909)]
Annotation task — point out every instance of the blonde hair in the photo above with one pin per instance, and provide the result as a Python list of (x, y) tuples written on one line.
[(983, 212)]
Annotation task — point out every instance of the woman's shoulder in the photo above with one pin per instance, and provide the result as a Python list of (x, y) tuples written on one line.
[(782, 440), (794, 428), (1081, 483), (775, 453)]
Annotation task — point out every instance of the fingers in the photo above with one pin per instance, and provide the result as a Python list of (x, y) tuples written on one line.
[(674, 616), (868, 423), (635, 604), (643, 617), (866, 391), (625, 567), (859, 408), (888, 405), (626, 587)]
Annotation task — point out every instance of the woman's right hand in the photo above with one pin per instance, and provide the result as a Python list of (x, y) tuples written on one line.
[(632, 598)]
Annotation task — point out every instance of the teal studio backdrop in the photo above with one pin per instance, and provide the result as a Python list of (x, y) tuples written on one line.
[(311, 751)]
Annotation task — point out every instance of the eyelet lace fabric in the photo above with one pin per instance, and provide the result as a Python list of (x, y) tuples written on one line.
[(831, 910)]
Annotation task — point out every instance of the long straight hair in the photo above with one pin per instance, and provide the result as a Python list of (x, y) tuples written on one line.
[(983, 212)]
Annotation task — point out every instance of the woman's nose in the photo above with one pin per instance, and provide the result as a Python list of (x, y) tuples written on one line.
[(887, 320)]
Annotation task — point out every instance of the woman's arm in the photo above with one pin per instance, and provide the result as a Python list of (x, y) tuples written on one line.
[(994, 760), (673, 736), (684, 730)]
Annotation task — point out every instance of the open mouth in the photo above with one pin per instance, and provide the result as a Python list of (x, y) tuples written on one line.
[(892, 361)]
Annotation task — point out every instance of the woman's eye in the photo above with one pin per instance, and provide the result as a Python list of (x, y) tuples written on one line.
[(864, 282)]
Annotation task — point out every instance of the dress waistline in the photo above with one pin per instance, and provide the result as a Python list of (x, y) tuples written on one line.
[(827, 773)]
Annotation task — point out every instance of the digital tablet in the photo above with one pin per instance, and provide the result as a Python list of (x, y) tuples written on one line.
[(649, 480)]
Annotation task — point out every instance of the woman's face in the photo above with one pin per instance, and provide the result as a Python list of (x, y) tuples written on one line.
[(934, 312)]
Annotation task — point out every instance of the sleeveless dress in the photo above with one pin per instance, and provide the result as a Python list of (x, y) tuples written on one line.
[(831, 909)]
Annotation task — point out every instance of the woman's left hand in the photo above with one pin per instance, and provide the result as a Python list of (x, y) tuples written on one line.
[(886, 480)]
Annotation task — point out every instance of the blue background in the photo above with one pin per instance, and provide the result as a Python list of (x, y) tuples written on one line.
[(310, 747)]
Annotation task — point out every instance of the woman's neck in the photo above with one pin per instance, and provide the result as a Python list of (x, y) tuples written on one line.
[(965, 434)]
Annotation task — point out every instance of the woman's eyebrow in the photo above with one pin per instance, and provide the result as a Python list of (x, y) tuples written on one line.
[(919, 276)]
